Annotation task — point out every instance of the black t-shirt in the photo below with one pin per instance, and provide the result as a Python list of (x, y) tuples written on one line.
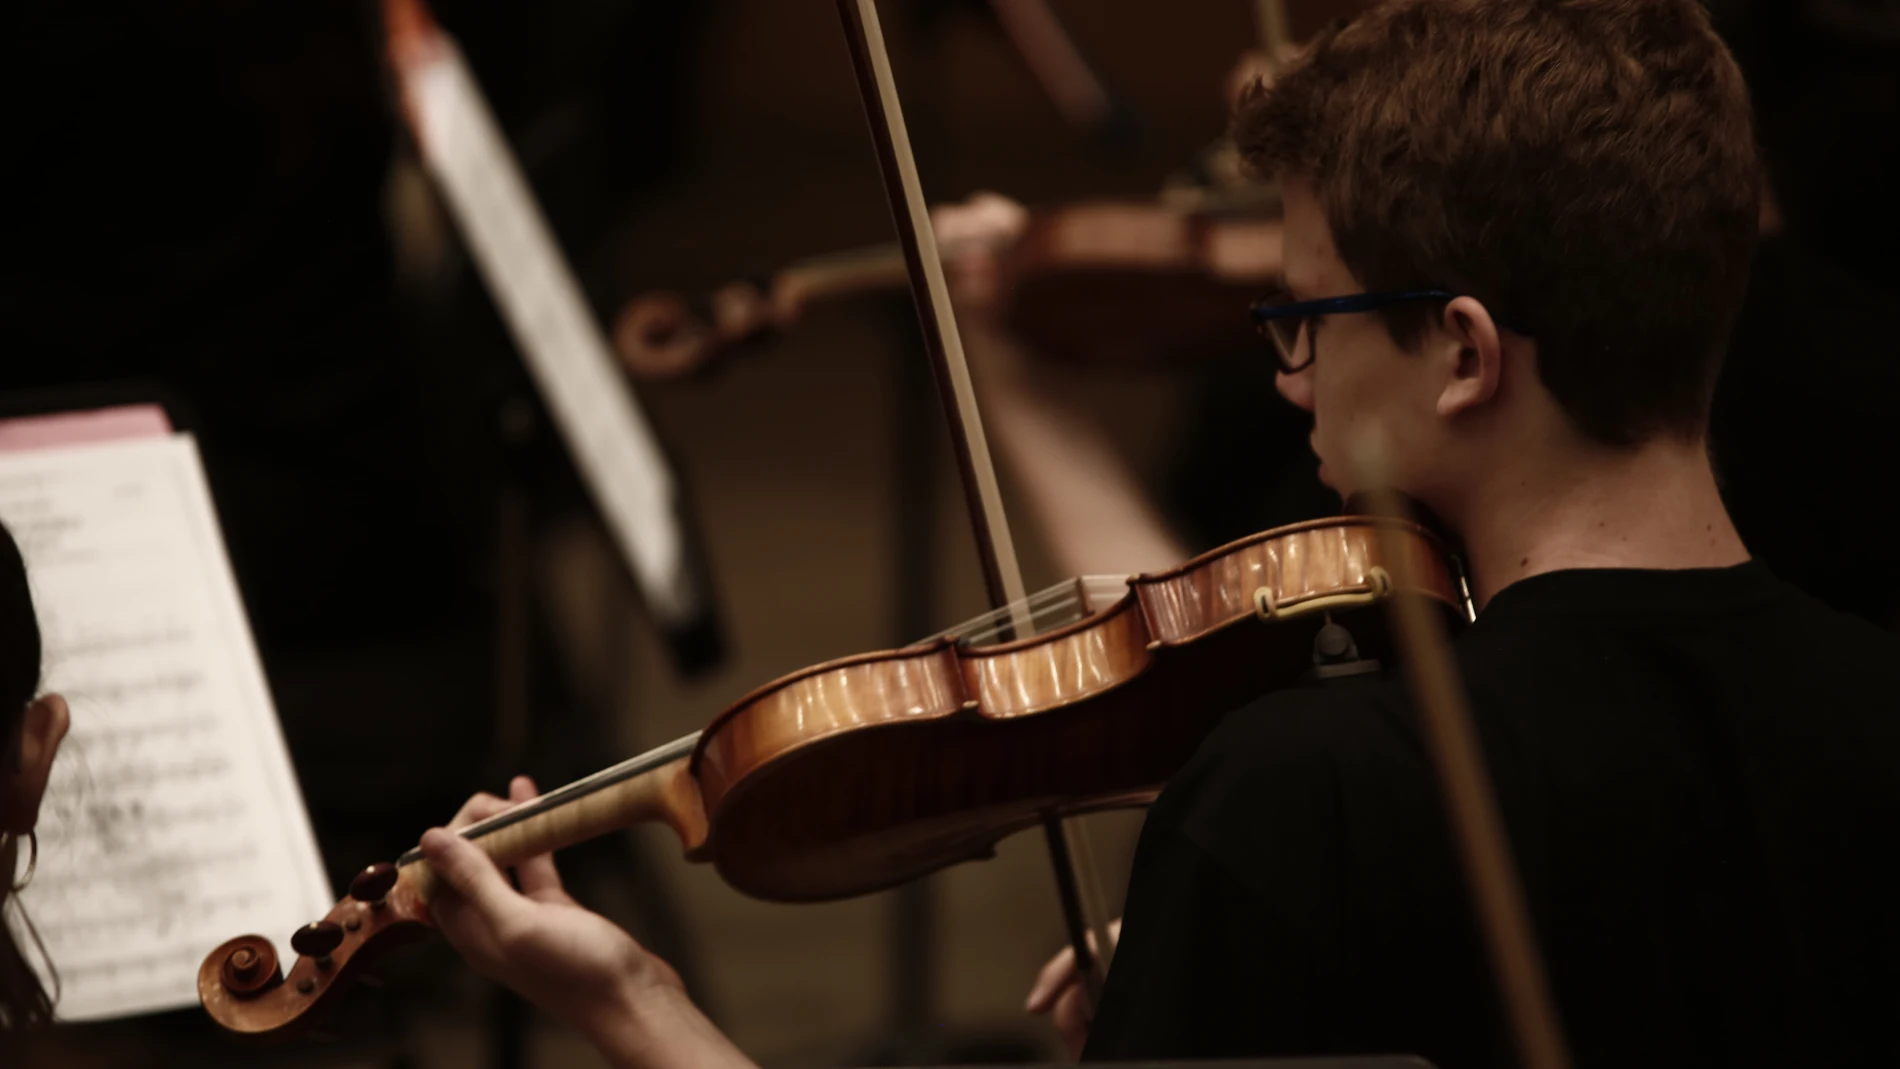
[(1700, 774)]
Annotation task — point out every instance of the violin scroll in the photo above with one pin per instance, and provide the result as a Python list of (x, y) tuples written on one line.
[(660, 336), (247, 966), (244, 989)]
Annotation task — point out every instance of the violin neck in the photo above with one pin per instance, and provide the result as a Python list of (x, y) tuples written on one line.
[(866, 269), (840, 274), (662, 792)]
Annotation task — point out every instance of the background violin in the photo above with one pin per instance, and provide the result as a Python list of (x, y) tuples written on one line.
[(1104, 281)]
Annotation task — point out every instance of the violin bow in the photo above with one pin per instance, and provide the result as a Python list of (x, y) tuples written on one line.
[(1002, 576), (1470, 796)]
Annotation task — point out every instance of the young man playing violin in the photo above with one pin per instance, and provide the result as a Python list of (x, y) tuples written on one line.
[(1517, 234)]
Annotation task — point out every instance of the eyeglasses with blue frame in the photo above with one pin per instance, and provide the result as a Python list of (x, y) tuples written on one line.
[(1281, 319)]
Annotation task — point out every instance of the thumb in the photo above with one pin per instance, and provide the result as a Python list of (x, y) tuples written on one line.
[(464, 868)]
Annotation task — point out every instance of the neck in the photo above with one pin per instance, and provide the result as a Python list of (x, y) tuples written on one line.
[(1653, 506)]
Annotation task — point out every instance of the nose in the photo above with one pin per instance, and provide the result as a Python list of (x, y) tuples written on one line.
[(1297, 387)]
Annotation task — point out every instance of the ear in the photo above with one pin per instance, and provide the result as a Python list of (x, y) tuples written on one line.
[(21, 790), (1476, 356)]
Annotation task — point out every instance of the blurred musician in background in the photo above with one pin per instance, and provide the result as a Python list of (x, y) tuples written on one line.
[(1523, 276)]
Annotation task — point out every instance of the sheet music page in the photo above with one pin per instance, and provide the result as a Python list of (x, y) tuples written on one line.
[(173, 821)]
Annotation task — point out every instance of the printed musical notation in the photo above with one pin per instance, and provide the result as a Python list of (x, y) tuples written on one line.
[(173, 820)]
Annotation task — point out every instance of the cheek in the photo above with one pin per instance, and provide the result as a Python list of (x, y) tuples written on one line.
[(1363, 391), (1342, 395)]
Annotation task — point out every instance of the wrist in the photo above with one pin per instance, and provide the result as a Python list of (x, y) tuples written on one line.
[(648, 1025)]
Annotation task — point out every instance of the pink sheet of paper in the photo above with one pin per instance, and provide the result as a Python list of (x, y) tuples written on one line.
[(88, 425)]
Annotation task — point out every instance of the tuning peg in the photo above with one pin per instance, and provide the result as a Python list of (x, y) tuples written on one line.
[(318, 939), (373, 884)]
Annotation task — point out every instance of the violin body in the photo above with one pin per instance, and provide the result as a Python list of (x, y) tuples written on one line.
[(1114, 283), (864, 773)]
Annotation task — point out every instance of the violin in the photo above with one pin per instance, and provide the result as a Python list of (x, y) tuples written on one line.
[(862, 773), (1096, 282)]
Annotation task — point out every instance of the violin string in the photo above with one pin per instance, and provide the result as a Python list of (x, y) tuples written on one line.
[(1035, 604), (1011, 617), (580, 788), (1075, 599), (1062, 598)]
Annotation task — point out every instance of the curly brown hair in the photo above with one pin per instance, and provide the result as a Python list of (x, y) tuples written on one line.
[(1585, 167)]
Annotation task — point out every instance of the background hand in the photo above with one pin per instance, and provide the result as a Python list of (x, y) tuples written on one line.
[(1058, 993), (973, 237)]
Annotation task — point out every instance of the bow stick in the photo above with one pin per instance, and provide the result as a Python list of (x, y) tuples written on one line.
[(1068, 846)]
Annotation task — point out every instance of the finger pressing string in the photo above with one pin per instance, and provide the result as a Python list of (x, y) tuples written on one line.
[(536, 875), (480, 807), (470, 873)]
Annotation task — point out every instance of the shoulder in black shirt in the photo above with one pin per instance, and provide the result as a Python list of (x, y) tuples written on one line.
[(1700, 774)]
